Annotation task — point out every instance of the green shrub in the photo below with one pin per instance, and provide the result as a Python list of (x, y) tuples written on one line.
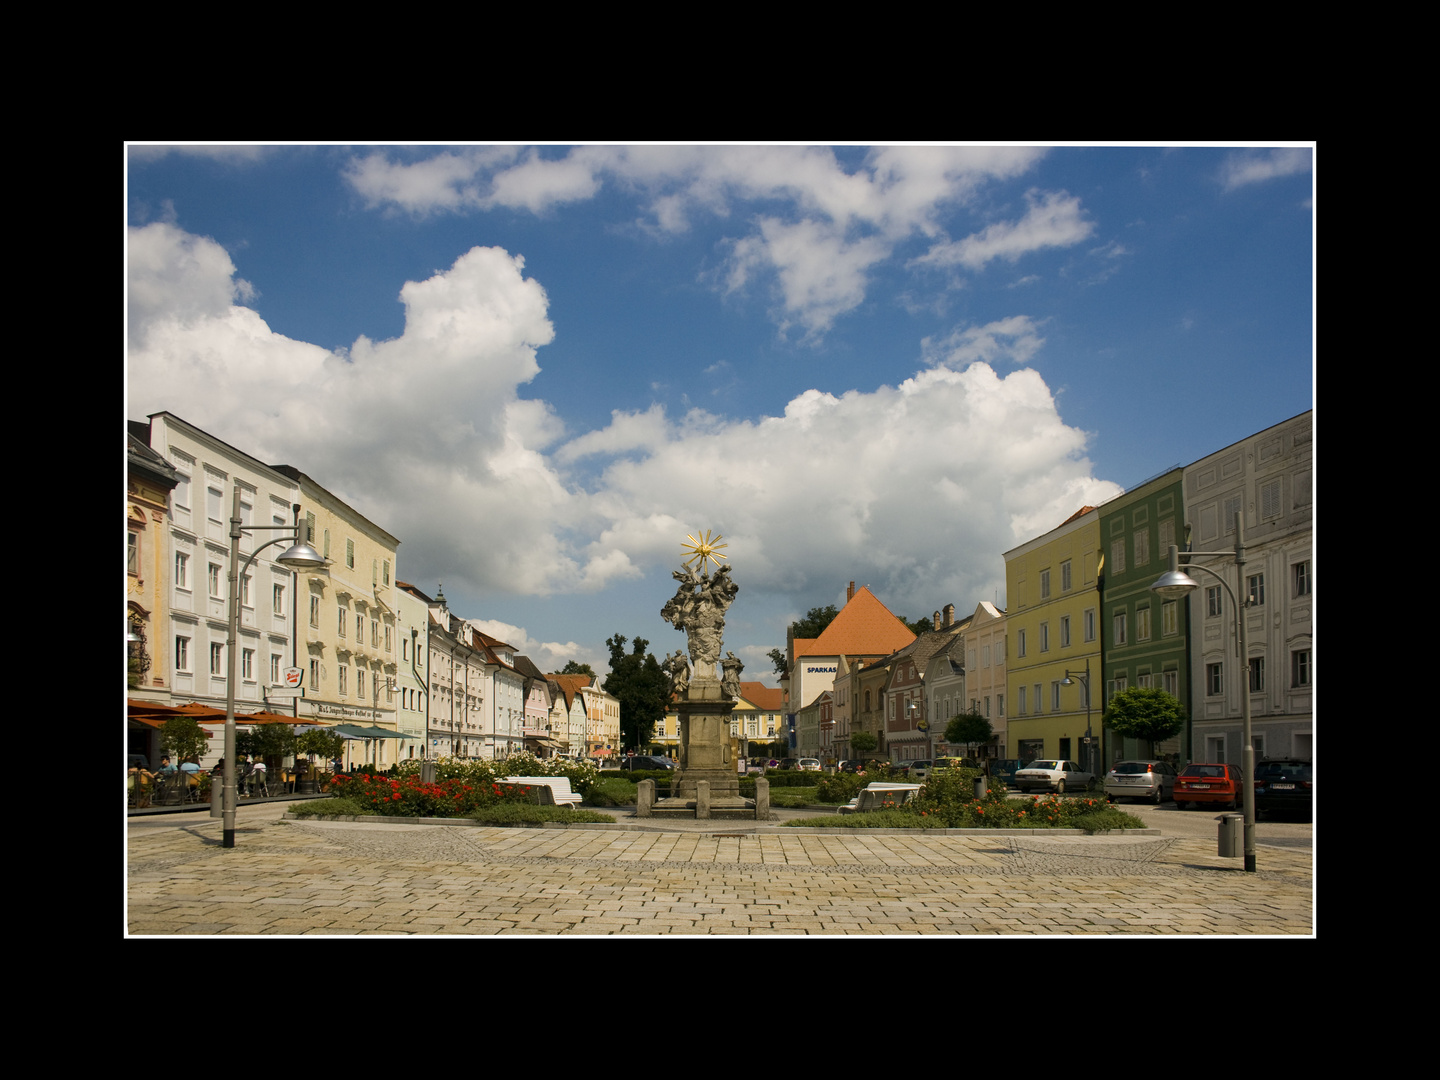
[(522, 814), (612, 791), (333, 807)]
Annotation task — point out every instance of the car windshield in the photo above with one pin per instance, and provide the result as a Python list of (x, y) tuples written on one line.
[(1204, 770), (1281, 770)]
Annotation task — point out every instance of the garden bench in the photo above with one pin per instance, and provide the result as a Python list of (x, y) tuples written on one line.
[(877, 793), (554, 790)]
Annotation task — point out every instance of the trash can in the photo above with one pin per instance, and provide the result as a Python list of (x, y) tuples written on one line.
[(980, 786), (1232, 835)]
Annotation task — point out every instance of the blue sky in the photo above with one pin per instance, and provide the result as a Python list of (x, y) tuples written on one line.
[(541, 367)]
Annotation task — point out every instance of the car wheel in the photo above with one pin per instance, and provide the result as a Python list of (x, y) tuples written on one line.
[(1059, 787), (1159, 796)]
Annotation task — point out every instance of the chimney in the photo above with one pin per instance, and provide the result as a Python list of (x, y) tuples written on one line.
[(949, 614), (850, 593), (936, 620)]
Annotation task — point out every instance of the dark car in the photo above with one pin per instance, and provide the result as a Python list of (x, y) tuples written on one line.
[(1004, 769), (1285, 786), (637, 761)]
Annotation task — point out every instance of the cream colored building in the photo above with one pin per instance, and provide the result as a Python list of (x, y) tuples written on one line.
[(207, 472), (348, 617)]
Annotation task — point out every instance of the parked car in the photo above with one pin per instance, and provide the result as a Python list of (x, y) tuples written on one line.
[(1285, 785), (919, 770), (1153, 781), (1004, 769), (640, 761), (1052, 775), (789, 763), (1209, 782), (809, 764)]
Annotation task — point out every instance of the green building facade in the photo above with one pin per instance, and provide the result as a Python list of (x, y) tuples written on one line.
[(1144, 637)]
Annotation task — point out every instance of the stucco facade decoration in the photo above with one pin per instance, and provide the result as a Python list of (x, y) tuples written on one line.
[(412, 696), (351, 662), (1145, 638), (911, 728), (207, 470), (1053, 625), (1269, 477), (149, 481)]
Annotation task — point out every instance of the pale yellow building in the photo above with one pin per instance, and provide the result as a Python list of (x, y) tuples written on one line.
[(350, 646), (1053, 626)]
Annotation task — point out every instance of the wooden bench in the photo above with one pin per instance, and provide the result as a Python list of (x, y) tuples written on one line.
[(553, 790), (878, 793)]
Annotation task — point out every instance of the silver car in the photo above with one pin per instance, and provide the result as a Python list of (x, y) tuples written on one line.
[(1153, 781), (1053, 775)]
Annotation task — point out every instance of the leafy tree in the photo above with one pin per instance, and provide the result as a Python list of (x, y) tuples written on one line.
[(968, 728), (321, 742), (920, 626), (811, 626), (815, 621), (268, 741), (1143, 712), (182, 738), (572, 668), (862, 742), (642, 688)]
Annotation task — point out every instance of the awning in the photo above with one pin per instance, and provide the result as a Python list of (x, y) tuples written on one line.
[(355, 731)]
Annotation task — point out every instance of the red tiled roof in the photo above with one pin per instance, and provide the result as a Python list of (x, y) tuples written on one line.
[(864, 627), (1077, 514), (764, 698)]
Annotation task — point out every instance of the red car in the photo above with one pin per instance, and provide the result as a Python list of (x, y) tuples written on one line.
[(1206, 783)]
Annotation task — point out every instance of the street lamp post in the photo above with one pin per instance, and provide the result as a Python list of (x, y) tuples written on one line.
[(1175, 584), (299, 556), (1069, 680)]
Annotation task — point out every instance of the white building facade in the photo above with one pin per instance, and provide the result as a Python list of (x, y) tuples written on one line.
[(1269, 478)]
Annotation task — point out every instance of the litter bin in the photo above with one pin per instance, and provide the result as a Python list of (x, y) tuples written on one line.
[(1232, 835), (980, 785)]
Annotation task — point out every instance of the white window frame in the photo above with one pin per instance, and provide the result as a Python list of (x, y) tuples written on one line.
[(1065, 578), (217, 659), (1142, 624), (182, 653), (1214, 679), (212, 576), (1120, 637), (1045, 584), (1064, 631), (247, 664), (1089, 624), (1255, 589), (1214, 602), (1257, 674), (277, 601), (1300, 578), (182, 570), (1302, 674)]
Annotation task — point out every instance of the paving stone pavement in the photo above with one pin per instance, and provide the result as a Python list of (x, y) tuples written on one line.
[(309, 877)]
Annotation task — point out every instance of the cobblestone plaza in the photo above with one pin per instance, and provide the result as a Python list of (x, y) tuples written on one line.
[(308, 877)]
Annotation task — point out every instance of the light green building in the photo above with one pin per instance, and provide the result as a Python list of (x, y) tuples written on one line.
[(1144, 637)]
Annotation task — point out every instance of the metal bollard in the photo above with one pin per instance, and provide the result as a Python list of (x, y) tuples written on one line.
[(217, 795), (1232, 836)]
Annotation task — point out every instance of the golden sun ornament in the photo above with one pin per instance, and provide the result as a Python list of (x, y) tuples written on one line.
[(702, 549)]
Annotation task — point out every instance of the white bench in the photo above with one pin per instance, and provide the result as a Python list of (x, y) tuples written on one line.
[(555, 790), (877, 793)]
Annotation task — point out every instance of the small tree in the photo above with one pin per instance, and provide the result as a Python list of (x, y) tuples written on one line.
[(182, 738), (968, 728), (322, 743), (862, 742), (1142, 712)]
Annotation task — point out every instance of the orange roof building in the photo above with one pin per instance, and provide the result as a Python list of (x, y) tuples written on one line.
[(865, 631)]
